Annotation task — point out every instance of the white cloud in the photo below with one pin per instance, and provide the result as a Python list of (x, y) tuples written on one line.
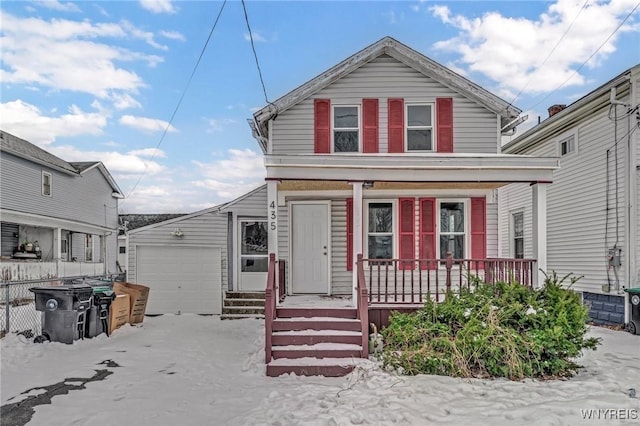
[(147, 36), (173, 35), (256, 37), (59, 6), (511, 51), (148, 152), (66, 55), (158, 6), (124, 101), (218, 124), (117, 163), (28, 122), (146, 124)]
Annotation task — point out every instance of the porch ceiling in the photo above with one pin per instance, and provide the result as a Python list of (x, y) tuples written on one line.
[(329, 185), (454, 168)]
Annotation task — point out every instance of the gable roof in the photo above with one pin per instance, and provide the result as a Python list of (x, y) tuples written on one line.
[(25, 149), (21, 148), (385, 46), (215, 209), (560, 121), (134, 221)]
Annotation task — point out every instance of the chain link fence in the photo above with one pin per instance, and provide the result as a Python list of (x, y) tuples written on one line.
[(18, 313)]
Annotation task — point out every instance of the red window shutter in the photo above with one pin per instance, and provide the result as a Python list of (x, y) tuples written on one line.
[(428, 232), (322, 126), (444, 119), (396, 125), (370, 125), (407, 232), (479, 229), (349, 234)]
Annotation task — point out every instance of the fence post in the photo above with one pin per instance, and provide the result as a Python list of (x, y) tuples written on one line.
[(449, 265), (7, 310)]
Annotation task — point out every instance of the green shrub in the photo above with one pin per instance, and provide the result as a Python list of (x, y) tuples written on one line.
[(493, 330)]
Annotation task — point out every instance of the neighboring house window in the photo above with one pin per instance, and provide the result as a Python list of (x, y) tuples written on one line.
[(254, 256), (346, 129), (452, 229), (46, 184), (567, 145), (419, 127), (380, 226), (123, 250), (88, 248), (65, 247), (518, 235)]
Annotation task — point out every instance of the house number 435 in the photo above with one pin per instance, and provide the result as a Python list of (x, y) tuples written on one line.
[(273, 215)]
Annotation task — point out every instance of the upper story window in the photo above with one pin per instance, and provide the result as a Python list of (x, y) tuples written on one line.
[(567, 145), (419, 127), (346, 129), (46, 184)]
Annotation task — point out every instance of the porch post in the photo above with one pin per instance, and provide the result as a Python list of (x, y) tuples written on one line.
[(272, 222), (357, 233), (539, 217)]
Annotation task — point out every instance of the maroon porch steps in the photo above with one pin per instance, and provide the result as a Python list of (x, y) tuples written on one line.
[(315, 341)]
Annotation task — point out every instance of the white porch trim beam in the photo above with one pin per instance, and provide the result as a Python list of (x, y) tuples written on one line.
[(539, 209), (357, 235)]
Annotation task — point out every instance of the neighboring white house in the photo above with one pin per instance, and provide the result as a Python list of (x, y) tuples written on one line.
[(58, 219), (592, 214), (189, 261)]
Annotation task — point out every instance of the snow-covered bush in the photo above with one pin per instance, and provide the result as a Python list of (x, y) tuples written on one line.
[(494, 330)]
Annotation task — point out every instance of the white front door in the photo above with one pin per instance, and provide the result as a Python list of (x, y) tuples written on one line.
[(310, 248), (253, 256)]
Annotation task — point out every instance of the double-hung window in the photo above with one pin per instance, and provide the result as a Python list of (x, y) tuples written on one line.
[(380, 226), (419, 127), (453, 229), (567, 145), (254, 255), (346, 128), (88, 248), (517, 235), (46, 184)]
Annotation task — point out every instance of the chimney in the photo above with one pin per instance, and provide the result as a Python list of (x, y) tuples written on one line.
[(554, 109)]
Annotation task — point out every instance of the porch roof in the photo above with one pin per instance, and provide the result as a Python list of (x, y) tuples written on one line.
[(412, 168)]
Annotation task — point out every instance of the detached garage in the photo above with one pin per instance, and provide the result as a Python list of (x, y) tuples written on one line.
[(189, 261)]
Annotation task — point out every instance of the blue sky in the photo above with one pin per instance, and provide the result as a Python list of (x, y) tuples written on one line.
[(100, 80)]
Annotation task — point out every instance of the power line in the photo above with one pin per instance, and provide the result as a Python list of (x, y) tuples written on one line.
[(589, 58), (184, 91), (255, 55), (552, 50)]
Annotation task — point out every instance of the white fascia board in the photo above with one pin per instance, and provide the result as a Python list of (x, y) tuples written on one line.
[(31, 219)]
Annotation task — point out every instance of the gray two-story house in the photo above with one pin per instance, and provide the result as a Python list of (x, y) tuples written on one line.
[(57, 219)]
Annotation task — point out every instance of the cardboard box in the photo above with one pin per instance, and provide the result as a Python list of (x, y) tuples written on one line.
[(119, 312), (139, 294)]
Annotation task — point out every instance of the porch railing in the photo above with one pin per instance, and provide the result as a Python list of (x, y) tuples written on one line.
[(408, 281), (271, 296), (363, 308)]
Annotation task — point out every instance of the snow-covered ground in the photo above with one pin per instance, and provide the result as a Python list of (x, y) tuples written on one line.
[(196, 370)]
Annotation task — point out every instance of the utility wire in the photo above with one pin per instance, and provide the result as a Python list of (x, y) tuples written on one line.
[(589, 58), (255, 55), (184, 91), (551, 52)]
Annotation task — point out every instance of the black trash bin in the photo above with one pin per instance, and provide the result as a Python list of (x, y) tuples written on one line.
[(64, 311), (634, 306), (98, 320)]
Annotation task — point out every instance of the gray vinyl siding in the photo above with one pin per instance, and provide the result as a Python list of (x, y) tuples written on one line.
[(635, 221), (283, 240), (86, 198), (512, 199), (492, 229), (254, 205), (341, 279), (576, 203), (475, 127), (205, 230)]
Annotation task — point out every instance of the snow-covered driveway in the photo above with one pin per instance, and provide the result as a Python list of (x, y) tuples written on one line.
[(195, 370)]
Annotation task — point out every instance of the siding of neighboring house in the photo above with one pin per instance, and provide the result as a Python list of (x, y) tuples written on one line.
[(475, 127), (85, 198), (635, 100), (577, 202), (205, 230)]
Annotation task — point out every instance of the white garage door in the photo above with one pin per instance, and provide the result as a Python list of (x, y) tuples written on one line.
[(181, 279)]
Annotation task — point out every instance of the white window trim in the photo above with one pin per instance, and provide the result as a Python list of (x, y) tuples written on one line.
[(467, 224), (359, 128), (50, 176), (432, 127), (395, 234), (240, 255), (512, 233), (564, 138)]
